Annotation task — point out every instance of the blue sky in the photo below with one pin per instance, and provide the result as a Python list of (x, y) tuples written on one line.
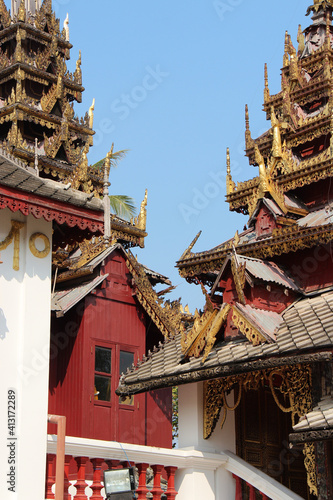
[(171, 80)]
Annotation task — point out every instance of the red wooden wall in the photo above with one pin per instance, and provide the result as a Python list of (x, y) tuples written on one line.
[(109, 318)]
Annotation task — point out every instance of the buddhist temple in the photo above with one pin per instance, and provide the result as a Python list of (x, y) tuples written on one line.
[(257, 362)]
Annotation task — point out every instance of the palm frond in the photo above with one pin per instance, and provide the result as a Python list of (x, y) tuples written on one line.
[(123, 206), (115, 159)]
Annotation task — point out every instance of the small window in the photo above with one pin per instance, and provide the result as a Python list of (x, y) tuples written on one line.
[(102, 374), (126, 360)]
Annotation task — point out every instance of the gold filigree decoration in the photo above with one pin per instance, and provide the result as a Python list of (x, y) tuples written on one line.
[(40, 254), (310, 466), (166, 315), (141, 221), (14, 235), (295, 387), (238, 272), (250, 331)]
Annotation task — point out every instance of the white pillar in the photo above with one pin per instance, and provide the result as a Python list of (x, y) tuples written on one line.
[(208, 484), (25, 296)]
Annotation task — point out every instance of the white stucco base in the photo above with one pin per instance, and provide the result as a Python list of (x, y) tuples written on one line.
[(25, 296), (207, 484)]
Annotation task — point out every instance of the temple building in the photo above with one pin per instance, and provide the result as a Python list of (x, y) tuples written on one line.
[(257, 362), (77, 309)]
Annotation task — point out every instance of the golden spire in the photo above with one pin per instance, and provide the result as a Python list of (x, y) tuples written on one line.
[(300, 40), (328, 30), (286, 50), (263, 179), (230, 184), (66, 27), (248, 138), (91, 114), (141, 220), (21, 11), (266, 91)]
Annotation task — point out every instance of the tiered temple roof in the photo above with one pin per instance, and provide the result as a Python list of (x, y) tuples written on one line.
[(38, 123)]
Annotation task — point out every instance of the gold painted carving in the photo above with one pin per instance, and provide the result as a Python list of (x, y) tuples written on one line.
[(247, 328), (14, 235), (294, 397), (238, 272), (40, 254), (141, 221)]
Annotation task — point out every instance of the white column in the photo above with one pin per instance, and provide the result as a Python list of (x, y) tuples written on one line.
[(25, 296), (208, 484)]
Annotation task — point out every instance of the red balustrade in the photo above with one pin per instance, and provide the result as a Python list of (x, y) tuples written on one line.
[(82, 469), (157, 490), (81, 478), (252, 495), (142, 487), (171, 492), (97, 485)]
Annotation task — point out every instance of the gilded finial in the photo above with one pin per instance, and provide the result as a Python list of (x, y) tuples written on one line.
[(228, 162), (264, 184), (230, 184), (248, 138), (286, 50), (66, 27), (141, 220), (107, 162), (266, 91), (328, 30), (91, 114), (300, 40), (21, 11)]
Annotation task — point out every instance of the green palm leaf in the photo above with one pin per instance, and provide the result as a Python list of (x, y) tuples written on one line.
[(123, 206), (115, 159)]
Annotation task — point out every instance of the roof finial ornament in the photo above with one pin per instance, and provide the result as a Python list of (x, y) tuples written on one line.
[(66, 27), (230, 183), (106, 199), (266, 91), (91, 114), (286, 50), (300, 40), (248, 138), (141, 220)]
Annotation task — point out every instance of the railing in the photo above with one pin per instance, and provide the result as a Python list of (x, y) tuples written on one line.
[(160, 472)]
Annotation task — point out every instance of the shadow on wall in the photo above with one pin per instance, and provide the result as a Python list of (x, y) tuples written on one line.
[(3, 325)]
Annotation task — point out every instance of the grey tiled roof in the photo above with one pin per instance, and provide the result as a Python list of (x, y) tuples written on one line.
[(307, 326), (321, 417), (16, 175)]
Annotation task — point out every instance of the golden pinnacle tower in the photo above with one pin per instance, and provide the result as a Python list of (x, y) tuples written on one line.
[(298, 148), (37, 96)]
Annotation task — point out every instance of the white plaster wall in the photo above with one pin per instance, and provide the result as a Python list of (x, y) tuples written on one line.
[(218, 485), (24, 356)]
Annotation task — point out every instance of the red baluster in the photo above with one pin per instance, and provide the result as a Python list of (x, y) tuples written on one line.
[(81, 478), (239, 495), (97, 485), (264, 497), (157, 490), (171, 492), (67, 484), (50, 479), (142, 489), (252, 492)]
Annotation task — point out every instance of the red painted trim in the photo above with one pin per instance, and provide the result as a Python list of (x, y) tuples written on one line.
[(62, 213)]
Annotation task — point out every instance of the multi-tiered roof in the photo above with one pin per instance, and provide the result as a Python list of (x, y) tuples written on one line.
[(38, 124), (294, 157)]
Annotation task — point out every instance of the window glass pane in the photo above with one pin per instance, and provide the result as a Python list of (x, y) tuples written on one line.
[(102, 360), (126, 361), (102, 388)]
